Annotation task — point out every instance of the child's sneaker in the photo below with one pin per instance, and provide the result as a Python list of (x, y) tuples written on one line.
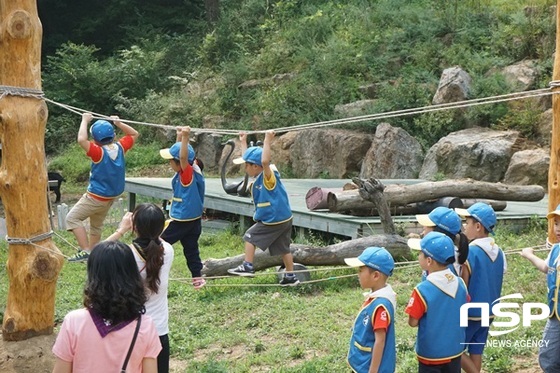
[(81, 256), (289, 281), (198, 282), (242, 270)]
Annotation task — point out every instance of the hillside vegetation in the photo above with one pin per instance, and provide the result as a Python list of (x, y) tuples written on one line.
[(170, 66)]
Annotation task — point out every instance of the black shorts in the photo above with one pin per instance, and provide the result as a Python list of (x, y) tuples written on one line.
[(276, 238)]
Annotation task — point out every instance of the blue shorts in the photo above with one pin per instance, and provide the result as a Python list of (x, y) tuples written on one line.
[(476, 336)]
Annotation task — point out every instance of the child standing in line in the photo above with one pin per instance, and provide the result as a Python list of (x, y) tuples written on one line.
[(549, 358), (273, 214), (372, 345), (187, 203), (446, 221), (98, 337), (435, 304), (106, 179), (154, 258), (483, 272)]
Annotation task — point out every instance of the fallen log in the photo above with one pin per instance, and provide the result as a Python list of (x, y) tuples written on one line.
[(401, 195), (316, 256)]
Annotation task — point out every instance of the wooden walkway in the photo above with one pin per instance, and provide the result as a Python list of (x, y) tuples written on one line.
[(516, 215)]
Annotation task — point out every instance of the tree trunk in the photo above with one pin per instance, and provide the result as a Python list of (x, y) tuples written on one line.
[(553, 170), (32, 268), (372, 190), (316, 256), (400, 195), (212, 10)]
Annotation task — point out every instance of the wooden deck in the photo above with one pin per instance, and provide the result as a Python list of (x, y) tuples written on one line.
[(516, 215)]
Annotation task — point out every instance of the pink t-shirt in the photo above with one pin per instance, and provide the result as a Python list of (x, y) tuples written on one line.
[(80, 343)]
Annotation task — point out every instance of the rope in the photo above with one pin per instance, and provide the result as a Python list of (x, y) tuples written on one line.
[(349, 120), (29, 241), (8, 90)]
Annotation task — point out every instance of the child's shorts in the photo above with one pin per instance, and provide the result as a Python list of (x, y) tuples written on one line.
[(276, 238), (88, 207), (476, 335)]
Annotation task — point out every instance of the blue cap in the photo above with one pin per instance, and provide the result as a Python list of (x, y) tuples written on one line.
[(436, 245), (443, 218), (251, 155), (377, 258), (174, 152), (554, 213), (102, 132), (482, 213)]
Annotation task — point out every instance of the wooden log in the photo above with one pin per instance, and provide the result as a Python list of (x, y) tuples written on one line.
[(32, 269), (372, 190), (400, 195), (554, 166), (316, 197), (317, 256)]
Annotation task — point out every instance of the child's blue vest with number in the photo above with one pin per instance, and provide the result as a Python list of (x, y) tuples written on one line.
[(188, 200), (485, 283), (106, 178), (272, 206)]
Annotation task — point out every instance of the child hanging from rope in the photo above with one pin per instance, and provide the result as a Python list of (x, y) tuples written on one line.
[(106, 180), (273, 214), (187, 204)]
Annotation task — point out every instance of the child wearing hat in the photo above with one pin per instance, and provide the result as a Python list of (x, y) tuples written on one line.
[(187, 203), (549, 358), (483, 272), (273, 214), (372, 345), (434, 306), (106, 179), (446, 221)]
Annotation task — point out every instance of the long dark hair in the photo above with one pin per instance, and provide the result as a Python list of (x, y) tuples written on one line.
[(148, 222), (114, 289), (460, 240)]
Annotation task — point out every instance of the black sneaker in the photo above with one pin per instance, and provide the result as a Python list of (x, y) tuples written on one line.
[(289, 281), (81, 256), (242, 270)]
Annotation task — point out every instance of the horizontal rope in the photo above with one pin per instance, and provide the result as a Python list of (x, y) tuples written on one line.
[(29, 241), (8, 90)]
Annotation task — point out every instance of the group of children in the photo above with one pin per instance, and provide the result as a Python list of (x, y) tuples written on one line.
[(460, 261), (442, 344)]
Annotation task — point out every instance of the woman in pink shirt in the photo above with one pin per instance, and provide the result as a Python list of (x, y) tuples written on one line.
[(98, 337)]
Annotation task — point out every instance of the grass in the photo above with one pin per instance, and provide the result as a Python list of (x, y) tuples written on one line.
[(246, 325)]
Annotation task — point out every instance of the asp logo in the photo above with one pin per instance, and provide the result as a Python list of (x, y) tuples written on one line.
[(500, 309)]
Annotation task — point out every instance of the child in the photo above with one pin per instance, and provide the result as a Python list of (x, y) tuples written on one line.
[(106, 179), (483, 272), (435, 304), (549, 358), (187, 204), (372, 345), (98, 337), (446, 221), (153, 258), (273, 215)]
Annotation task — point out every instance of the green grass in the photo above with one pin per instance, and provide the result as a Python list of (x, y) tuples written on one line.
[(235, 325)]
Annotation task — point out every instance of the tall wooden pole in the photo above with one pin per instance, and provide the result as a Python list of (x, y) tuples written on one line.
[(33, 266), (554, 171)]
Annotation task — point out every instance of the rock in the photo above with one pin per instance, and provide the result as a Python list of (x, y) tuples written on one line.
[(521, 75), (394, 154), (477, 153), (544, 128), (528, 167), (454, 85), (355, 109), (209, 150)]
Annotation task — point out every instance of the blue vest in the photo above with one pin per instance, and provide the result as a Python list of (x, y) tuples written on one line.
[(440, 335), (188, 200), (485, 282), (106, 178), (363, 338), (552, 281), (272, 206)]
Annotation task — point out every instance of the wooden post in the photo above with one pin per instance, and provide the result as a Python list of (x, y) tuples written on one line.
[(553, 171), (32, 268)]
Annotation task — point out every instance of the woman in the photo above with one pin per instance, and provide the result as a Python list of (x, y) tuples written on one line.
[(99, 336)]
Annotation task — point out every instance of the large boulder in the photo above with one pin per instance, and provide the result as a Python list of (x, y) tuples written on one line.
[(281, 149), (208, 150), (354, 109), (528, 167), (329, 153), (477, 153), (454, 85), (394, 154), (522, 75), (544, 128)]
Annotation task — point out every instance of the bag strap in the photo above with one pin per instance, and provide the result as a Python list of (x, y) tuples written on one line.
[(123, 369)]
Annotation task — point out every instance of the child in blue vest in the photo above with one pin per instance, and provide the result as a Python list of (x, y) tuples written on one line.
[(187, 203), (273, 214), (106, 179), (549, 352), (372, 345), (435, 304), (446, 221), (483, 272)]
